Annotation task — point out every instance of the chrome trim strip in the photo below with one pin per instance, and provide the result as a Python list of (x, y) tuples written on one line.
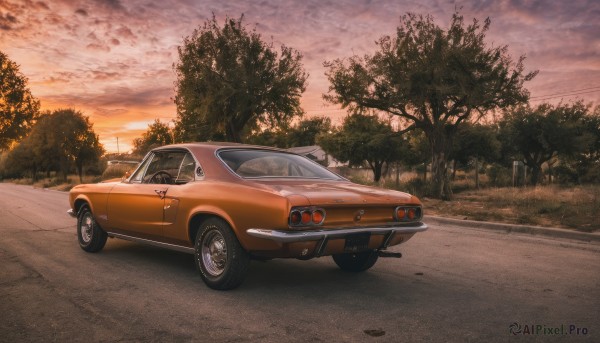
[(388, 239), (180, 248), (72, 213), (316, 235), (321, 245)]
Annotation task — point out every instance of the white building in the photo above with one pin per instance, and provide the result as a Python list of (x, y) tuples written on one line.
[(317, 154)]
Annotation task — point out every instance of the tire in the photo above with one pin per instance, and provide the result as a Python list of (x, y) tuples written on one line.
[(222, 261), (356, 262), (90, 235)]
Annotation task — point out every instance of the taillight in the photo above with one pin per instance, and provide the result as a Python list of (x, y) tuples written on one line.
[(307, 216), (295, 217), (400, 213), (407, 213), (318, 216)]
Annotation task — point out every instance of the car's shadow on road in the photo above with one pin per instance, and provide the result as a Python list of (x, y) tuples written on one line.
[(319, 276), (320, 273)]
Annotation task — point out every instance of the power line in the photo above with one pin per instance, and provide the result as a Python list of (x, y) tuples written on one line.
[(570, 93), (576, 90)]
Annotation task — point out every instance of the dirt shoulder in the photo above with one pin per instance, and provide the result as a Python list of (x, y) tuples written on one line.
[(574, 208)]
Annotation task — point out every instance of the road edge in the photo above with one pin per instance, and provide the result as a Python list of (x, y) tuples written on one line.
[(526, 229)]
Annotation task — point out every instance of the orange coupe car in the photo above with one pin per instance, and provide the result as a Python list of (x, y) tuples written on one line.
[(228, 203)]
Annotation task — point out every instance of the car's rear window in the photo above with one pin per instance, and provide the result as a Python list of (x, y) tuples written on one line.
[(252, 163)]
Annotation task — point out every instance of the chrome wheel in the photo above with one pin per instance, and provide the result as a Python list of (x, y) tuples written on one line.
[(220, 258), (214, 252), (90, 235), (87, 227)]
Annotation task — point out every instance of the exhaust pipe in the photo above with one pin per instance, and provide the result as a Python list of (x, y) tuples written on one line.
[(389, 254)]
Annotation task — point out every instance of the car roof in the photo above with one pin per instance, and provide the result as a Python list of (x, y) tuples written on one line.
[(214, 146), (205, 153)]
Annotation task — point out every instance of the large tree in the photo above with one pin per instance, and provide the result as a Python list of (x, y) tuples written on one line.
[(433, 79), (363, 140), (540, 134), (158, 134), (18, 108), (229, 81)]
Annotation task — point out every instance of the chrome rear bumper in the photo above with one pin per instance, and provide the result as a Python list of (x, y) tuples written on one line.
[(317, 235)]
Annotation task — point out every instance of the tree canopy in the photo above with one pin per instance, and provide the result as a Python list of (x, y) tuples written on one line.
[(433, 79), (18, 108), (475, 143), (539, 134), (59, 141), (363, 140), (229, 81), (158, 134), (304, 133)]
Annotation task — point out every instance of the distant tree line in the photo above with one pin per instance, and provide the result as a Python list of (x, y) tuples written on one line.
[(61, 141), (34, 143)]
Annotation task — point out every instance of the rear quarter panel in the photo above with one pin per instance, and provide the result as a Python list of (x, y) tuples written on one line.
[(242, 206)]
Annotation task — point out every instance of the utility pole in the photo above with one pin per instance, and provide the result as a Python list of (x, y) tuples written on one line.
[(118, 152)]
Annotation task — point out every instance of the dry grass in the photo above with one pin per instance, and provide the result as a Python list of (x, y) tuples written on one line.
[(114, 171), (54, 182), (554, 206)]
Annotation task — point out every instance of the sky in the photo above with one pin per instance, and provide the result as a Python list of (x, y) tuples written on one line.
[(113, 59)]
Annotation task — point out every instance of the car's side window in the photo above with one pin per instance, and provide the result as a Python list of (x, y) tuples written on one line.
[(164, 167), (186, 170), (137, 177), (154, 167)]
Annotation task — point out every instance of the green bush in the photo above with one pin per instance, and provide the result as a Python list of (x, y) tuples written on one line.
[(499, 176), (416, 186)]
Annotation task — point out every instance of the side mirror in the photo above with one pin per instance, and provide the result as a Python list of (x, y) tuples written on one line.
[(126, 176)]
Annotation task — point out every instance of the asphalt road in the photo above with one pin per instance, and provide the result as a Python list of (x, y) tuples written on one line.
[(453, 284)]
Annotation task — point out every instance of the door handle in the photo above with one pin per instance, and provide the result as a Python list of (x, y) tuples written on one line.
[(161, 193)]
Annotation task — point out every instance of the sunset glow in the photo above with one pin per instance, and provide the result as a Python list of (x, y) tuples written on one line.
[(112, 59)]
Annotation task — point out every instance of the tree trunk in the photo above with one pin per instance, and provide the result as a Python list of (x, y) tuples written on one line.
[(476, 172), (35, 173), (536, 171), (232, 133), (397, 175), (439, 176), (377, 171), (453, 170), (440, 180), (80, 172)]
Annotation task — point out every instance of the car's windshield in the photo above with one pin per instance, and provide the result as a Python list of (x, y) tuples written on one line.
[(251, 163)]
